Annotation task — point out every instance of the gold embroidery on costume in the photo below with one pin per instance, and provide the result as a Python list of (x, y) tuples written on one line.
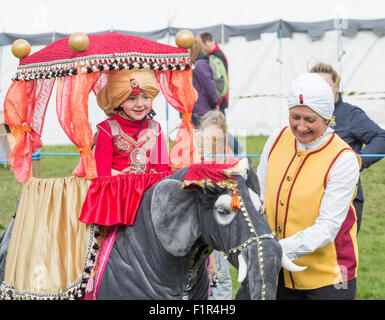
[(137, 150)]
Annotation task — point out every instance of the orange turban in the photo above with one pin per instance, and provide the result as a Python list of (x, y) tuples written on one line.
[(119, 87)]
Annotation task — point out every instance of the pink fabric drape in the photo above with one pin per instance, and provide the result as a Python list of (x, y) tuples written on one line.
[(72, 111), (25, 106)]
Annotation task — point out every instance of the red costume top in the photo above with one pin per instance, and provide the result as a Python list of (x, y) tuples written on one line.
[(122, 143), (117, 147)]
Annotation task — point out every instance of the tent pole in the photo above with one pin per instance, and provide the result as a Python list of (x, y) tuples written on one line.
[(339, 24), (280, 61), (222, 33), (54, 35)]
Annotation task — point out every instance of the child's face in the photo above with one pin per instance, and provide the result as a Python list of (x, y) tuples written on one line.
[(137, 107)]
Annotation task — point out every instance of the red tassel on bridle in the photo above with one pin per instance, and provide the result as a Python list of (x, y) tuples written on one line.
[(235, 203)]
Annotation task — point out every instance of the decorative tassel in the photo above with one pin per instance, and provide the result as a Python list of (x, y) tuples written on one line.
[(235, 203), (90, 284)]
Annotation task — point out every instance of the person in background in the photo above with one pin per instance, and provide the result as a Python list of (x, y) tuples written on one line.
[(212, 139), (203, 83), (309, 177), (129, 141), (205, 39), (353, 125)]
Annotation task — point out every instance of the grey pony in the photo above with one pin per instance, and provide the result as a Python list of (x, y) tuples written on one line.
[(163, 256)]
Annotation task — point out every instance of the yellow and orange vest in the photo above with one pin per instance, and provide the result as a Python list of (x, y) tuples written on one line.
[(295, 185)]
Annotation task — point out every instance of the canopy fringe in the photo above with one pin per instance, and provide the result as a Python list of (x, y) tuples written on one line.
[(62, 68)]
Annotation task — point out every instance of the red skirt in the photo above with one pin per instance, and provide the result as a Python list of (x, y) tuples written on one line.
[(115, 200)]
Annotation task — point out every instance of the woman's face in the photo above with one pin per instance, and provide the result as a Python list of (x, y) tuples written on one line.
[(306, 124), (137, 107)]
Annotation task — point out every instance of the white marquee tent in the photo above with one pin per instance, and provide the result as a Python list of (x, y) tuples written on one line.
[(267, 45)]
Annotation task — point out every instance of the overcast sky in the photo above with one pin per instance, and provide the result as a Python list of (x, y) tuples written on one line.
[(67, 16)]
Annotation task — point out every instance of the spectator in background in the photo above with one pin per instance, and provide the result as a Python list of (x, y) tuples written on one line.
[(203, 83), (213, 140), (353, 125), (205, 39)]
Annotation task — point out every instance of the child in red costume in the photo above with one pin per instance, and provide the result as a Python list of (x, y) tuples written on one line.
[(129, 142)]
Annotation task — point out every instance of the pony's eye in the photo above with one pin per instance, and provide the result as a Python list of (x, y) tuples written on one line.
[(222, 211)]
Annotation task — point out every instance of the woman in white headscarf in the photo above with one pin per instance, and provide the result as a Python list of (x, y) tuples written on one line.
[(308, 179)]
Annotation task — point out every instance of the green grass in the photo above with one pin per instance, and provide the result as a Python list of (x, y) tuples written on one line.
[(50, 166), (371, 238)]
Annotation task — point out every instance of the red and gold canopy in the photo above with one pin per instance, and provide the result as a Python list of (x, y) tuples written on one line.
[(76, 74), (107, 51)]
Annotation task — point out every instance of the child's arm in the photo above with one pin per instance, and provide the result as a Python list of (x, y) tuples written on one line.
[(103, 152)]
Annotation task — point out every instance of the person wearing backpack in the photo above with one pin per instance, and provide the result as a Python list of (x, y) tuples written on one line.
[(212, 49), (205, 39), (203, 83)]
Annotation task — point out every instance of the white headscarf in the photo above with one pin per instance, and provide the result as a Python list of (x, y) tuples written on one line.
[(311, 90)]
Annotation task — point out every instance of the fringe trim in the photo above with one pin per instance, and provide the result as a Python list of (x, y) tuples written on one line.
[(193, 184), (74, 291), (230, 183), (95, 63)]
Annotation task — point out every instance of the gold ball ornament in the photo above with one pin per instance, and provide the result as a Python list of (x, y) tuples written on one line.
[(21, 48), (78, 41), (184, 39)]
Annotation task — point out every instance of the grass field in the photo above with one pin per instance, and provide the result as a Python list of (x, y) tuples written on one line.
[(371, 238)]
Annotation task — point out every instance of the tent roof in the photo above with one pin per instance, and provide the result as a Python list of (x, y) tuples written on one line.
[(285, 29), (152, 18)]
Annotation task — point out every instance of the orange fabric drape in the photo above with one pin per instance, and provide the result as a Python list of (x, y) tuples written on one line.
[(178, 89), (72, 111), (24, 111)]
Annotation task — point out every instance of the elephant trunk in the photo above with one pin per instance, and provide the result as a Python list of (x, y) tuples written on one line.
[(260, 262)]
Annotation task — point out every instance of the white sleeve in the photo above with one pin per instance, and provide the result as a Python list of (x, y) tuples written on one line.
[(262, 166), (334, 207)]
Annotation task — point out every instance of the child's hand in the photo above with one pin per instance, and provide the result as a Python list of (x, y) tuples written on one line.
[(115, 172), (129, 170)]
